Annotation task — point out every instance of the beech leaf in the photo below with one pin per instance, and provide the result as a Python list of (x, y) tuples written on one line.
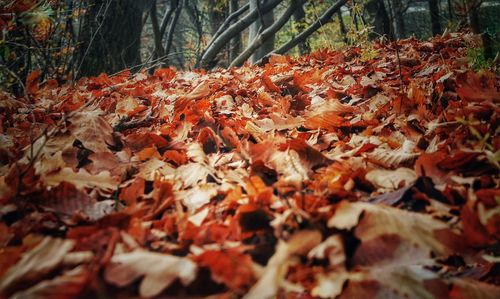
[(37, 262), (158, 271)]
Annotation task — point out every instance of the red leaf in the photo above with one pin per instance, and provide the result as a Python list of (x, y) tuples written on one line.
[(32, 82), (478, 87), (230, 267)]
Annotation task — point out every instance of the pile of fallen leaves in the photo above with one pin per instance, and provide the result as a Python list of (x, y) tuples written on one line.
[(324, 176)]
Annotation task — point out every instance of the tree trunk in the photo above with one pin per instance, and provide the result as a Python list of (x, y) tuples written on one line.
[(473, 19), (378, 17), (325, 18), (267, 34), (159, 50), (450, 10), (195, 15), (216, 17), (434, 12), (208, 59), (171, 28), (354, 16), (383, 16), (298, 16), (396, 7), (343, 30), (110, 39), (265, 20), (235, 44)]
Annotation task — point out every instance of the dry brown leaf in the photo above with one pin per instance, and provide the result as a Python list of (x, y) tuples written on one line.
[(159, 271), (391, 179), (394, 158), (273, 276), (66, 286), (390, 236), (197, 196), (289, 166), (82, 179), (37, 262), (93, 131)]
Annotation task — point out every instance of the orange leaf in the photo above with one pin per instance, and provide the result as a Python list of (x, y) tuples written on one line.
[(477, 87), (132, 192), (136, 110), (326, 120), (230, 267), (270, 84), (148, 153), (32, 82)]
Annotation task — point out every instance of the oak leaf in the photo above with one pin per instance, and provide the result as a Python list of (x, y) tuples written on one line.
[(92, 130), (82, 179)]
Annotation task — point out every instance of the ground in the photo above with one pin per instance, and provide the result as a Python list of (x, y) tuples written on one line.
[(338, 174)]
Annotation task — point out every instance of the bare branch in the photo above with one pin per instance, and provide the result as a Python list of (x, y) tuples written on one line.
[(212, 51), (171, 28), (267, 33), (323, 19), (227, 22), (166, 17), (159, 51)]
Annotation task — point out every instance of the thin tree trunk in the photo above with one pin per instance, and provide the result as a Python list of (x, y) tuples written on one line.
[(343, 30), (110, 39), (473, 19), (396, 7), (266, 19), (235, 44), (434, 12), (208, 58), (159, 51), (227, 23), (194, 14), (266, 34), (253, 30), (384, 17), (450, 10), (322, 20), (167, 16), (171, 29), (354, 15), (299, 15), (216, 18), (378, 18)]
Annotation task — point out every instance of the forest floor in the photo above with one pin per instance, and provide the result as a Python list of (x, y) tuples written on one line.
[(330, 175)]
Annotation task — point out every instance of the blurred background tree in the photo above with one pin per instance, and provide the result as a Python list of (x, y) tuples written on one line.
[(68, 39)]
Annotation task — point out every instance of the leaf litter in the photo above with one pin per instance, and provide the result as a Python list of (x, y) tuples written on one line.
[(325, 176)]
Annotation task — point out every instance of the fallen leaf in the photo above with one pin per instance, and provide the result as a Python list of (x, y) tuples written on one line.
[(392, 236), (82, 179), (92, 130), (66, 286), (158, 271), (393, 158), (197, 196), (36, 263), (391, 179), (274, 274), (230, 267)]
